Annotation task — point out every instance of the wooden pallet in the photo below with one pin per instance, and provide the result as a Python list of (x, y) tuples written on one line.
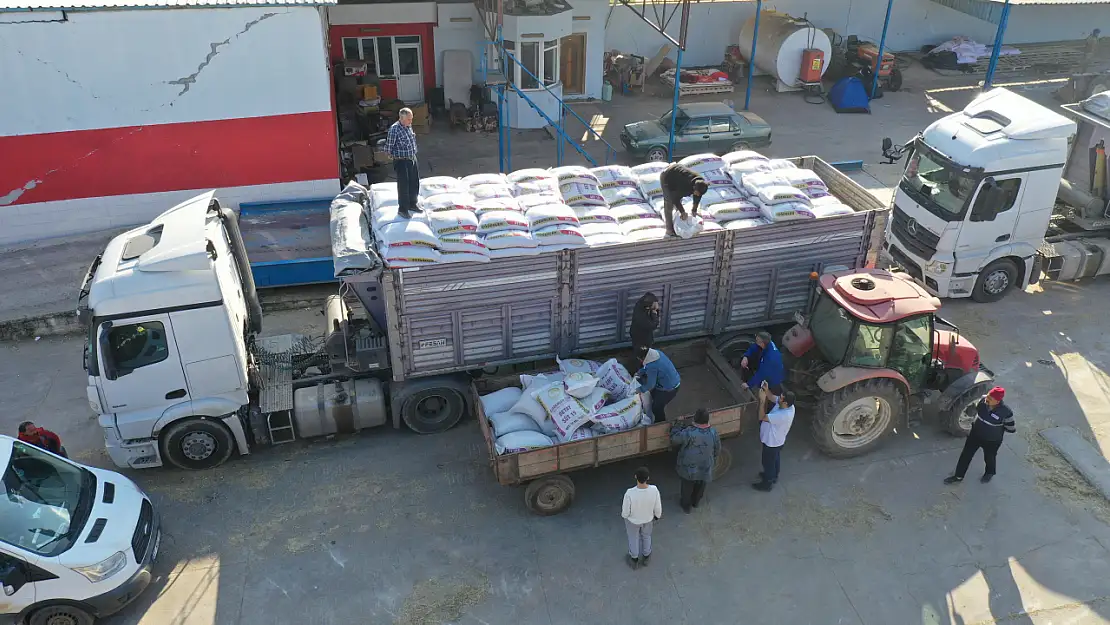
[(1049, 58), (699, 88)]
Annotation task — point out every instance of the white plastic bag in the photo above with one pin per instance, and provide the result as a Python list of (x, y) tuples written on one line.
[(550, 215), (500, 401), (786, 211), (474, 180), (744, 224), (579, 384), (412, 231), (594, 214), (561, 236), (577, 365), (742, 156), (463, 257), (574, 173), (448, 202), (409, 255), (435, 185), (509, 239), (619, 416), (507, 422), (496, 221), (452, 222), (470, 243), (614, 378), (781, 194), (702, 163), (522, 440), (482, 207), (780, 163), (740, 209), (491, 191), (642, 223), (567, 412), (688, 226), (581, 194)]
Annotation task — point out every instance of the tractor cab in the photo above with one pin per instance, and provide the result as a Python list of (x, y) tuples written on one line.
[(869, 354)]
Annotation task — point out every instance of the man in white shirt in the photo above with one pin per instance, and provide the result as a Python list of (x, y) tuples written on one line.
[(773, 428), (642, 506)]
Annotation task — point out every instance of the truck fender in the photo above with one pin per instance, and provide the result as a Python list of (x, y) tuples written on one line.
[(839, 377), (216, 408), (1023, 253), (960, 386)]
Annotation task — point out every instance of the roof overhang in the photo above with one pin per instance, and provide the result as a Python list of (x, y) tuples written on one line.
[(991, 10)]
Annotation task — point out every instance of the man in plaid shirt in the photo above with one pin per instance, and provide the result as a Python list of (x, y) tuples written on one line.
[(401, 145)]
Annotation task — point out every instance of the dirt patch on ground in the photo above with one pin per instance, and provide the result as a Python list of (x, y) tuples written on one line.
[(437, 601), (1056, 478)]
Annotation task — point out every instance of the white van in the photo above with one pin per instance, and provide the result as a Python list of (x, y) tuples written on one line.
[(76, 543)]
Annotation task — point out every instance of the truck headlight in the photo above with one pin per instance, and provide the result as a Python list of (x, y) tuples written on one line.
[(936, 267), (104, 569)]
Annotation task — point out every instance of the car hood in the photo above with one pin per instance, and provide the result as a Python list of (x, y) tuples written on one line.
[(645, 130)]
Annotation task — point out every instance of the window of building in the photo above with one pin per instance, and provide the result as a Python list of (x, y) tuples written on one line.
[(376, 51), (538, 61)]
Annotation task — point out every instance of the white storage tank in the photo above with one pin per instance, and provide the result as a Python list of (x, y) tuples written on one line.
[(782, 39)]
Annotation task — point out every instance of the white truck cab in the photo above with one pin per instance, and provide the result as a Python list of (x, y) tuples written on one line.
[(76, 543), (974, 202), (169, 309)]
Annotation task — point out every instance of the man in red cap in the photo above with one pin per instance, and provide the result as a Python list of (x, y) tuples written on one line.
[(992, 420)]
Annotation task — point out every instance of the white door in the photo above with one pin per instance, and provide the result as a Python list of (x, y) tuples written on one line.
[(987, 228), (410, 71)]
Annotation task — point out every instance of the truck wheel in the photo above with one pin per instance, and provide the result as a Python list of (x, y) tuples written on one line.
[(550, 495), (60, 615), (657, 155), (195, 444), (733, 346), (994, 282), (855, 419), (724, 463), (433, 410)]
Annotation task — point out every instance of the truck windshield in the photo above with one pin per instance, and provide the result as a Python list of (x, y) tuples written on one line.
[(47, 501), (937, 185), (832, 329)]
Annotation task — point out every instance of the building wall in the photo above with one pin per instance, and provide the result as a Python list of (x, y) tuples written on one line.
[(914, 23), (107, 112)]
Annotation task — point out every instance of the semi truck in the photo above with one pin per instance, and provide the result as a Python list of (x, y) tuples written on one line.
[(179, 373), (984, 206)]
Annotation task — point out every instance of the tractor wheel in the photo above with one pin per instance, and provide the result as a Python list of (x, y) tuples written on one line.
[(855, 419), (959, 418), (894, 83)]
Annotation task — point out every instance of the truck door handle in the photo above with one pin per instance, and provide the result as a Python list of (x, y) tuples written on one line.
[(1002, 238), (178, 394)]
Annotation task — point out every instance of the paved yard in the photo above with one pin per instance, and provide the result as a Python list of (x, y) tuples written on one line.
[(393, 528)]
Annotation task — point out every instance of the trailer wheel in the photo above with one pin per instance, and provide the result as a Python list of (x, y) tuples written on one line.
[(550, 495), (724, 463), (994, 282), (196, 444), (433, 410), (855, 419)]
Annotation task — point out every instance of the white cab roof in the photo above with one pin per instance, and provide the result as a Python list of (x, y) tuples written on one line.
[(1001, 130), (177, 271)]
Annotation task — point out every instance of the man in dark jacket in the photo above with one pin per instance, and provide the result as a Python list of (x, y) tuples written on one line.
[(645, 320), (41, 438), (698, 447), (992, 420), (763, 362), (657, 376), (679, 182)]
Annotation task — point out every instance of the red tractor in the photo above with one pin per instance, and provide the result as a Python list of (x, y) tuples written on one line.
[(871, 355)]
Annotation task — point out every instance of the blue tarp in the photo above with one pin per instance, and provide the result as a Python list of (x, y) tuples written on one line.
[(849, 96)]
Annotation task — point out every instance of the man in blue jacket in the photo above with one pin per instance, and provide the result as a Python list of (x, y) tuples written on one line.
[(659, 377), (763, 361)]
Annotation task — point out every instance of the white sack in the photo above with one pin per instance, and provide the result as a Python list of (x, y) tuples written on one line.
[(482, 207), (567, 412), (740, 209), (550, 215), (536, 187), (649, 169), (474, 180), (471, 243), (562, 236), (527, 404), (452, 222), (581, 194), (702, 163), (720, 194), (542, 379), (605, 238), (522, 440), (831, 210), (594, 214), (463, 257), (629, 212), (612, 173), (528, 202), (579, 384), (741, 156), (744, 224), (614, 378), (787, 211), (491, 191), (623, 192), (718, 178), (507, 422), (384, 216), (382, 197), (619, 416), (647, 234), (496, 221), (781, 194), (597, 228), (448, 202), (500, 401), (574, 173), (435, 185), (596, 399), (509, 239), (514, 252), (647, 223), (413, 231), (409, 255), (573, 365), (780, 163)]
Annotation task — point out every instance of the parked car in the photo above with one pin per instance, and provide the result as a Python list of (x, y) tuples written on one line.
[(76, 542), (700, 127)]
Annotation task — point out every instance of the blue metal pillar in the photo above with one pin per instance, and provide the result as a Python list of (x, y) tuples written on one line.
[(751, 57), (998, 35), (674, 109), (882, 48), (559, 136), (501, 129)]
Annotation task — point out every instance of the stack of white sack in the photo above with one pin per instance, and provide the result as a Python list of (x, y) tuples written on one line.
[(780, 163), (383, 205), (503, 229), (829, 206), (726, 203), (452, 217), (740, 156), (488, 186), (534, 181), (436, 185), (578, 186), (711, 167), (598, 225), (647, 179), (555, 227), (739, 173), (779, 203), (618, 185), (806, 181), (408, 243), (639, 222)]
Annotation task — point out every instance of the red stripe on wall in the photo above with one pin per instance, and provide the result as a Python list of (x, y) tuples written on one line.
[(168, 157)]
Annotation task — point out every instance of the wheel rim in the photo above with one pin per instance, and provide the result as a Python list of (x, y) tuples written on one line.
[(197, 446), (861, 422), (62, 619), (551, 498), (968, 415), (433, 408), (996, 281), (657, 156)]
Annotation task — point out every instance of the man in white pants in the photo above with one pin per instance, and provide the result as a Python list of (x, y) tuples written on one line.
[(642, 506)]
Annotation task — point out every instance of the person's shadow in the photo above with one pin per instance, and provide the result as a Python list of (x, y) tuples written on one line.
[(1003, 596)]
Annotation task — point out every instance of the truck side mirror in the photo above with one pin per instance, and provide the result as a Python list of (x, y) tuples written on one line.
[(105, 349)]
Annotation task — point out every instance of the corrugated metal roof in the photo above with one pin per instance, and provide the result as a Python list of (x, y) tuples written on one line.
[(991, 10), (106, 5)]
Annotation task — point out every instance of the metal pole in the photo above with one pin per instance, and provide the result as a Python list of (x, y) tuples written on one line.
[(751, 57), (559, 138), (674, 109), (501, 129), (998, 35), (882, 46)]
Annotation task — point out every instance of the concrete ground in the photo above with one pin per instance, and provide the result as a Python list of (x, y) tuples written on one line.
[(388, 527)]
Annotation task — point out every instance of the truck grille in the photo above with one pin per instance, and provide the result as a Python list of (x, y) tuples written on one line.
[(916, 237), (143, 531), (905, 263)]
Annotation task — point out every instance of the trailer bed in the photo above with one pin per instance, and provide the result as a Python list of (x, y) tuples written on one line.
[(288, 242), (707, 382)]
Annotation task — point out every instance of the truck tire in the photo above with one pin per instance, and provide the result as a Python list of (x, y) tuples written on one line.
[(733, 346), (196, 444), (549, 495), (995, 281), (62, 614), (854, 420), (723, 464), (431, 405)]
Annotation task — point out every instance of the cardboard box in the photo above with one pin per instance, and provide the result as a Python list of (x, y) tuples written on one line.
[(422, 129), (420, 114), (368, 92), (363, 156)]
